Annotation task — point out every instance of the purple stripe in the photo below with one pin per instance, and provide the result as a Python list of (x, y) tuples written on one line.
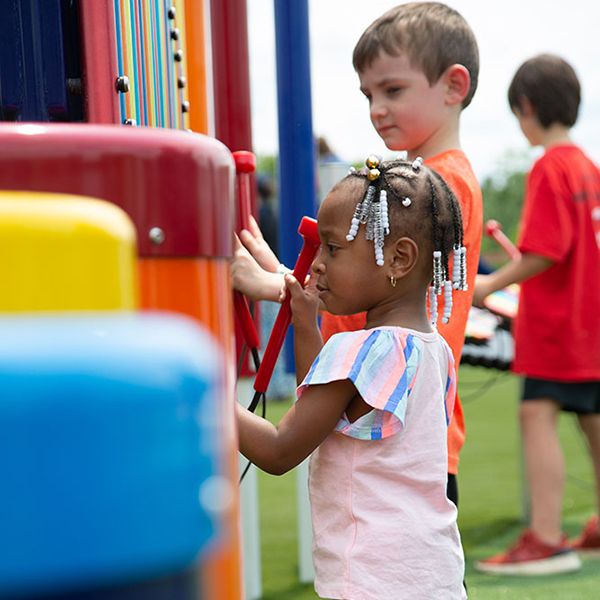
[(360, 357), (400, 390)]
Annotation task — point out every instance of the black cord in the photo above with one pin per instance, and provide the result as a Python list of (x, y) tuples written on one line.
[(258, 397), (493, 380)]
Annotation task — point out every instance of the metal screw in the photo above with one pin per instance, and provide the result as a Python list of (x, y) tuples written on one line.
[(181, 82), (185, 107), (178, 56), (131, 122), (175, 34), (172, 13), (156, 235), (74, 87), (122, 84)]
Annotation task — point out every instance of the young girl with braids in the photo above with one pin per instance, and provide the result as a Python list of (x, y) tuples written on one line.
[(374, 404)]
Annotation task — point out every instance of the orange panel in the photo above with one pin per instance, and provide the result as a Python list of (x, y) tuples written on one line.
[(200, 288), (196, 65)]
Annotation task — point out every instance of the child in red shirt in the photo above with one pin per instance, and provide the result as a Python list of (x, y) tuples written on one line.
[(557, 329)]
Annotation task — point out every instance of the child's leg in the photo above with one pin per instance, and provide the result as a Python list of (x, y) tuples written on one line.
[(590, 425), (544, 465)]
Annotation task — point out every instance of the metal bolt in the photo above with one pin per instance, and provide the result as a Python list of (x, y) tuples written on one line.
[(178, 56), (131, 122), (181, 82), (156, 235), (175, 33), (185, 107), (122, 84), (172, 13), (74, 86)]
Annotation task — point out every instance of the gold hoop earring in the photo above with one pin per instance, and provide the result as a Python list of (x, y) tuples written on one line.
[(393, 280)]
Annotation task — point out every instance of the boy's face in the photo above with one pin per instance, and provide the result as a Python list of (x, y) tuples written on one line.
[(407, 112)]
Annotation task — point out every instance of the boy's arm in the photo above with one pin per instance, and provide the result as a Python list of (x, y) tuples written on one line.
[(278, 449), (255, 243), (253, 281), (528, 265)]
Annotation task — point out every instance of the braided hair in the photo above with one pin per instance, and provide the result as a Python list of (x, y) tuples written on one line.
[(407, 198)]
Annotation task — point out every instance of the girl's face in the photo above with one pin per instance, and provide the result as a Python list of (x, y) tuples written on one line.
[(348, 279)]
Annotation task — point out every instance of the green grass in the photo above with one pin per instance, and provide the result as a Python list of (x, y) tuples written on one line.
[(490, 500)]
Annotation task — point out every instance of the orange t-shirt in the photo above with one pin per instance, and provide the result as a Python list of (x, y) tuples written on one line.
[(455, 168)]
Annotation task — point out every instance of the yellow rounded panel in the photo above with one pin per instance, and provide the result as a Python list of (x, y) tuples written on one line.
[(62, 252)]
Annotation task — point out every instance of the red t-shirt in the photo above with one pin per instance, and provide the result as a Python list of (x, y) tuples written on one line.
[(557, 329), (455, 168)]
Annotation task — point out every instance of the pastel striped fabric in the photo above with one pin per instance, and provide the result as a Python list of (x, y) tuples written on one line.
[(382, 364)]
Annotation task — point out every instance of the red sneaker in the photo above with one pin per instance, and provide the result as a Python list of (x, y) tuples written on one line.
[(588, 542), (530, 556)]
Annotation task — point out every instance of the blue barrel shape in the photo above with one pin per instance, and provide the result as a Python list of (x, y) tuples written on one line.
[(109, 450)]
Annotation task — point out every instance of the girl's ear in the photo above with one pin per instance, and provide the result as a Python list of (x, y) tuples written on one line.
[(404, 258), (458, 82)]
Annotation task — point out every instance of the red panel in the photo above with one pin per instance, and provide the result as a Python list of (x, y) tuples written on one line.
[(231, 80), (177, 181), (99, 57)]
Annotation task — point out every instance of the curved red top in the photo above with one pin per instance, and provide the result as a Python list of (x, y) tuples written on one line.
[(177, 181)]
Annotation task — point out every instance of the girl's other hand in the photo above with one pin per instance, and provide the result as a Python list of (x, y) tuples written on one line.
[(304, 302), (256, 245)]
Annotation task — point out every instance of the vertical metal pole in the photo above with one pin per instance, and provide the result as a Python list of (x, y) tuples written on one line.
[(297, 181)]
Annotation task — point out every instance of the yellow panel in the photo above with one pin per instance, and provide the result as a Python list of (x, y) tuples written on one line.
[(60, 252)]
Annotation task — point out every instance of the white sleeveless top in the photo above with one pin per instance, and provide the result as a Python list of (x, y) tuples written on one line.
[(383, 528)]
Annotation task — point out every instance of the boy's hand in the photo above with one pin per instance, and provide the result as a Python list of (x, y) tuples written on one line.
[(249, 278), (256, 245), (304, 302), (482, 290)]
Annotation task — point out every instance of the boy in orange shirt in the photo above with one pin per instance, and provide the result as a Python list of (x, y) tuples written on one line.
[(418, 66)]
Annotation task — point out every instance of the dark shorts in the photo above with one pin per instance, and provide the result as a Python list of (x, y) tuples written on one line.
[(582, 397)]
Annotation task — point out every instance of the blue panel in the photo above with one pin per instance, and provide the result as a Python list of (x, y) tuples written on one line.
[(55, 76), (11, 62), (297, 183), (33, 74), (109, 450)]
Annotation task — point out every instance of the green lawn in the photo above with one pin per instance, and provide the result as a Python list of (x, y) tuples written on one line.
[(490, 501)]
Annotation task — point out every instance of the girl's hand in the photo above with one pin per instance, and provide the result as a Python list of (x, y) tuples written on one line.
[(304, 302), (251, 279), (256, 245)]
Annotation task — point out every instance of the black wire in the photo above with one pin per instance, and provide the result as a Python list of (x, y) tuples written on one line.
[(493, 380), (258, 396)]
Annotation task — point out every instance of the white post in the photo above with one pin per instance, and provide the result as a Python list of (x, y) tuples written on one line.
[(305, 564), (249, 512)]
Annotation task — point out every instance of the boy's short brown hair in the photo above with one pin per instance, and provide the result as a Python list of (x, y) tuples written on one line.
[(433, 36), (551, 86)]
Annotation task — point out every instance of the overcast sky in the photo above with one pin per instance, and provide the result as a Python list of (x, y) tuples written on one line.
[(508, 32)]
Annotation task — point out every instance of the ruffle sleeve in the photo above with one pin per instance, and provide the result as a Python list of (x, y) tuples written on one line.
[(382, 364)]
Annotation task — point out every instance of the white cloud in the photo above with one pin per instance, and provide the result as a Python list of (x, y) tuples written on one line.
[(508, 32)]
